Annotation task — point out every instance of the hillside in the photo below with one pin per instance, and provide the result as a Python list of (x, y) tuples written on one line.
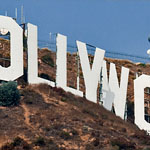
[(49, 119), (47, 67)]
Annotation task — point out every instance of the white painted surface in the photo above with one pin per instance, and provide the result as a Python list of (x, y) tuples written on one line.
[(3, 31), (91, 76), (61, 63), (33, 57), (15, 70), (78, 83), (139, 84), (148, 51), (113, 92), (73, 91), (108, 95), (120, 92), (61, 59)]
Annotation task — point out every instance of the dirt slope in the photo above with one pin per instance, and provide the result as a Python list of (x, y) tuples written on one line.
[(49, 118)]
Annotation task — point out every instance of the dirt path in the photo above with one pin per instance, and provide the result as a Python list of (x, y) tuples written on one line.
[(26, 115)]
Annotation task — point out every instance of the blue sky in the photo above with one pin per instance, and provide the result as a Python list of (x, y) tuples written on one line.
[(113, 25)]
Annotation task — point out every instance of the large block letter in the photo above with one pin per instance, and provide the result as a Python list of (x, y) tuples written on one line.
[(33, 57), (108, 95), (61, 72), (61, 63), (91, 76), (139, 84), (15, 70), (112, 92)]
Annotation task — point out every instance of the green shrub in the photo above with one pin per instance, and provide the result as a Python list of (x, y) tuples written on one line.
[(9, 94), (40, 141), (122, 143), (17, 141), (48, 60), (17, 144), (65, 135), (46, 76), (142, 65), (74, 132), (63, 99)]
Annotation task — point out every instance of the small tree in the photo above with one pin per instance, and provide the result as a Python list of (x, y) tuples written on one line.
[(9, 94)]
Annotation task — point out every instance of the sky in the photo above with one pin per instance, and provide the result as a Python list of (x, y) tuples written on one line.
[(113, 25)]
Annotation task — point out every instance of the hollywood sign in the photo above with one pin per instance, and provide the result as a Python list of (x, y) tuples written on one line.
[(113, 93)]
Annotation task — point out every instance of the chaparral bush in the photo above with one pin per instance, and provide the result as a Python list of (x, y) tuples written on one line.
[(46, 76), (9, 94), (40, 141), (48, 60)]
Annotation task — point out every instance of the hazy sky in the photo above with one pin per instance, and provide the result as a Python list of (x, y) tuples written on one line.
[(114, 25)]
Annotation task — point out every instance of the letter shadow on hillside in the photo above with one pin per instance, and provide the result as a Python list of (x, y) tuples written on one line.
[(108, 100)]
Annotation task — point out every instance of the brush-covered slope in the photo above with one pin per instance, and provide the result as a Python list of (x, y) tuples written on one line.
[(50, 119)]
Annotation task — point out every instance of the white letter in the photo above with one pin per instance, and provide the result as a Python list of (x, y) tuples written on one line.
[(61, 71), (112, 92), (108, 96), (15, 70), (33, 56), (139, 84), (91, 76)]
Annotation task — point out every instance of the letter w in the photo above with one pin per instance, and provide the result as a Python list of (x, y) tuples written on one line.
[(112, 92)]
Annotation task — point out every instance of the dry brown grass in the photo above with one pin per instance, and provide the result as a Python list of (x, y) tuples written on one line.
[(65, 121)]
